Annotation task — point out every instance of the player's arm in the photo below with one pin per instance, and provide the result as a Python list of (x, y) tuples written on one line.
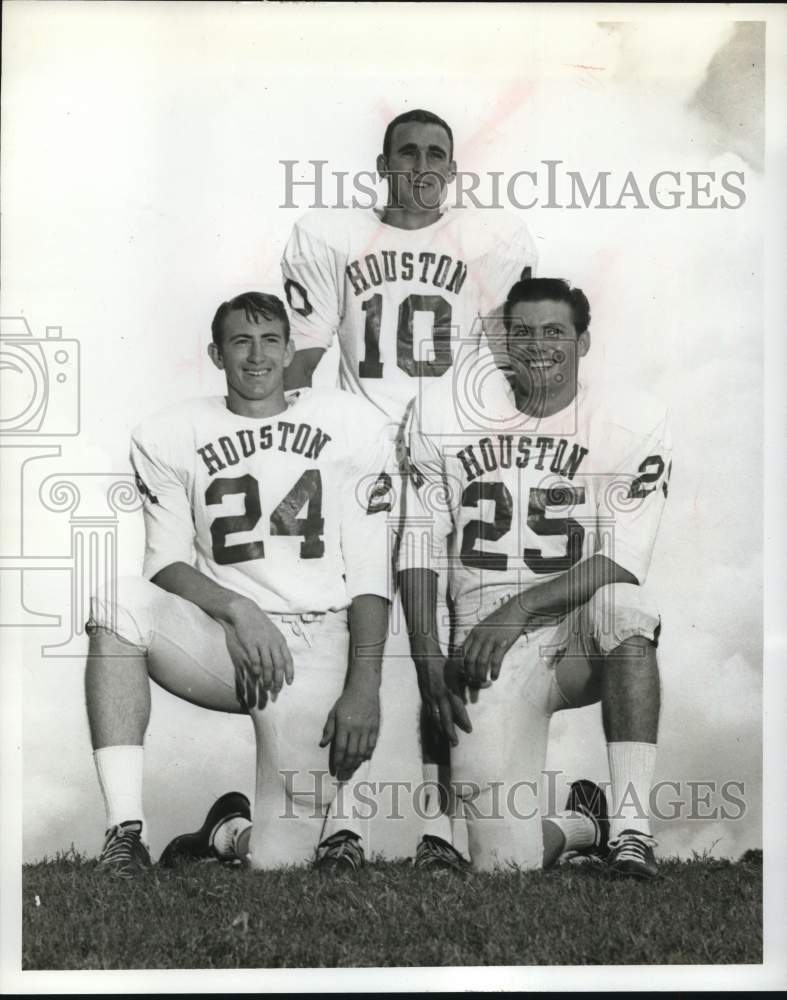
[(310, 271), (639, 486), (353, 723), (418, 576), (298, 374), (259, 653), (486, 645), (258, 649)]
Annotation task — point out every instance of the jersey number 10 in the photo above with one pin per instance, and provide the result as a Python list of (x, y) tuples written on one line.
[(371, 366)]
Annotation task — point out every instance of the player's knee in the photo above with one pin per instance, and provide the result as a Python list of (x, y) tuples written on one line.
[(504, 825), (125, 609), (619, 612), (477, 779)]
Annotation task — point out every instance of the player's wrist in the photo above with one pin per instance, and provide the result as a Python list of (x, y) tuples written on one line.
[(363, 681), (428, 657), (238, 609)]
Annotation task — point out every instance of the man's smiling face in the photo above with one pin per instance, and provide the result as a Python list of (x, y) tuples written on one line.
[(418, 166), (253, 354), (544, 348)]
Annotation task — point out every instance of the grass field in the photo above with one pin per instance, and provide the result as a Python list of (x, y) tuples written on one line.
[(218, 917)]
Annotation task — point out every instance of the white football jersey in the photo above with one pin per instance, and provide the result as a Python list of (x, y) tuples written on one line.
[(291, 511), (510, 500), (399, 299)]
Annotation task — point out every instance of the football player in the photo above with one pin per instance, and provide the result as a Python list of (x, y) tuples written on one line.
[(548, 493), (403, 288), (266, 591)]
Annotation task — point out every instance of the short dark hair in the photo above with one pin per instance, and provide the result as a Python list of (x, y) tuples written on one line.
[(255, 305), (551, 290), (425, 118)]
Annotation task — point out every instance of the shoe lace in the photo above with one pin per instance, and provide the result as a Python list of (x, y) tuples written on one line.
[(633, 846), (342, 847), (122, 844), (434, 851)]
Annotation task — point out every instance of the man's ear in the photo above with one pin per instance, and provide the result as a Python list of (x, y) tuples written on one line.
[(382, 166), (289, 353), (214, 353), (451, 176), (583, 344)]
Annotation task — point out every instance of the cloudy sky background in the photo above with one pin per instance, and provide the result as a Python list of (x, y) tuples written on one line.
[(141, 187)]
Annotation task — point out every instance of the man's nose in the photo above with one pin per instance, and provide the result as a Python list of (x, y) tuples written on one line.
[(420, 161)]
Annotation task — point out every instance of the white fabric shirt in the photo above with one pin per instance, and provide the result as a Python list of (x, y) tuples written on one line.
[(403, 302), (510, 501), (289, 511)]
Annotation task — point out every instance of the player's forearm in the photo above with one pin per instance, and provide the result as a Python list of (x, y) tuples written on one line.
[(573, 588), (218, 602), (298, 374), (418, 588), (368, 621)]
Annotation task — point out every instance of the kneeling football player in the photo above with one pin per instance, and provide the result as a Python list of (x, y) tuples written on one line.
[(266, 591), (546, 495)]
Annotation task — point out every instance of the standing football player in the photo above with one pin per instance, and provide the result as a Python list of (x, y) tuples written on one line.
[(266, 591), (548, 493), (404, 288)]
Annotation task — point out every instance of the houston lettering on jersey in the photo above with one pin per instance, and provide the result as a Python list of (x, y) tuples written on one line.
[(506, 451), (391, 265), (227, 450)]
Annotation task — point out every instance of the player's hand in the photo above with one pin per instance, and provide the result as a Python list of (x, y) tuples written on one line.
[(351, 729), (444, 706), (483, 650), (259, 652)]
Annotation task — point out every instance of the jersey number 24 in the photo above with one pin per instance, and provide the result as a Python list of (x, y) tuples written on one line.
[(307, 492)]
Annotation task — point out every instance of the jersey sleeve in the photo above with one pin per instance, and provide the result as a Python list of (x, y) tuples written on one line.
[(368, 514), (428, 520), (636, 496), (169, 525), (314, 287), (512, 257)]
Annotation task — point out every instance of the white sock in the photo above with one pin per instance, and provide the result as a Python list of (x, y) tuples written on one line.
[(578, 829), (631, 767), (435, 823), (225, 838), (120, 777)]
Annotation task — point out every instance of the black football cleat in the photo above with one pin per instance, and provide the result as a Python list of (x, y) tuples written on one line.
[(435, 854), (631, 856), (123, 854), (586, 797), (199, 845), (341, 852)]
